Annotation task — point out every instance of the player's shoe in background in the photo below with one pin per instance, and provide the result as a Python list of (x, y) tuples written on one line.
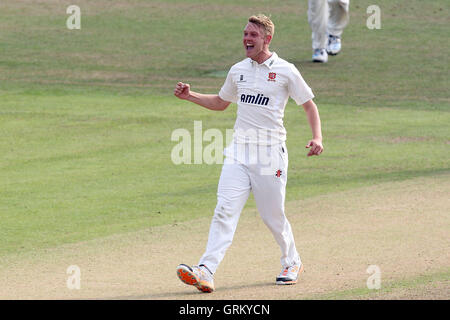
[(289, 275), (197, 276), (334, 45), (320, 55)]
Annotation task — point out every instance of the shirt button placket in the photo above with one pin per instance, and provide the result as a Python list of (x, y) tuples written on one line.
[(255, 78)]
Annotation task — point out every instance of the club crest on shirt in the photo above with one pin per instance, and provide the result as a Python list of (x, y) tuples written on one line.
[(278, 173), (272, 76)]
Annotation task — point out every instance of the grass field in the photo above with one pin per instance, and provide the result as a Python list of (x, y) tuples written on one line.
[(86, 115)]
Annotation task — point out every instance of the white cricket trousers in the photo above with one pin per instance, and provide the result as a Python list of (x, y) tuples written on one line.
[(327, 17), (268, 184)]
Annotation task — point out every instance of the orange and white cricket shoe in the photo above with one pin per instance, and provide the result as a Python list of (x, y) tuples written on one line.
[(289, 275), (197, 276)]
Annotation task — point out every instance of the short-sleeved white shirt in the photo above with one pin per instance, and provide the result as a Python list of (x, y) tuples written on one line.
[(261, 92)]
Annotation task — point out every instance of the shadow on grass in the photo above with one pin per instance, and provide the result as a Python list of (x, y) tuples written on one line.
[(190, 292)]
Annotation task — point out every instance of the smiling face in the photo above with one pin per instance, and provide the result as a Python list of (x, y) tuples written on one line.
[(256, 42)]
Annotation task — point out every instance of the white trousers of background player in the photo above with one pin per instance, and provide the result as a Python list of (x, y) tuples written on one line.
[(327, 17), (237, 180)]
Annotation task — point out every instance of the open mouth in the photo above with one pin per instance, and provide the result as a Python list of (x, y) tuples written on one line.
[(249, 46)]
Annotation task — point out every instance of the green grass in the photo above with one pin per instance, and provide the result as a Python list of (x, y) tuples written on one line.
[(144, 47), (86, 115), (79, 167)]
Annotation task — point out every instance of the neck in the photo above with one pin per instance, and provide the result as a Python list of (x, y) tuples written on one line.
[(263, 56)]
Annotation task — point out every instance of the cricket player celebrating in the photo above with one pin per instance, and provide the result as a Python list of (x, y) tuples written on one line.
[(261, 85)]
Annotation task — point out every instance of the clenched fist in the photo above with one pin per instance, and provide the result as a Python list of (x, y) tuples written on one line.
[(182, 90)]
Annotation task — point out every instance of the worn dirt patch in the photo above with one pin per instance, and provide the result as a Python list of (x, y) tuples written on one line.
[(401, 227)]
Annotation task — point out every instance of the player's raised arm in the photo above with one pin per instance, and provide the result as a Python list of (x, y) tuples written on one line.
[(209, 101), (312, 113)]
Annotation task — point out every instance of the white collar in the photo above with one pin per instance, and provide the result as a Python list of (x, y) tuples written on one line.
[(269, 61)]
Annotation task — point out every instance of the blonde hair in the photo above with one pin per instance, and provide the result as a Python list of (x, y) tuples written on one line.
[(263, 22)]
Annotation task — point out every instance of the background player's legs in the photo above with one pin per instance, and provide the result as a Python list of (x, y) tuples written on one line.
[(233, 191), (338, 16), (269, 193), (318, 20)]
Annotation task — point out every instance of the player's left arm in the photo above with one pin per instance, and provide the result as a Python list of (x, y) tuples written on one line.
[(312, 114)]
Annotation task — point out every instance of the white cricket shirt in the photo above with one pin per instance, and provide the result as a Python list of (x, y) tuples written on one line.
[(261, 92)]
